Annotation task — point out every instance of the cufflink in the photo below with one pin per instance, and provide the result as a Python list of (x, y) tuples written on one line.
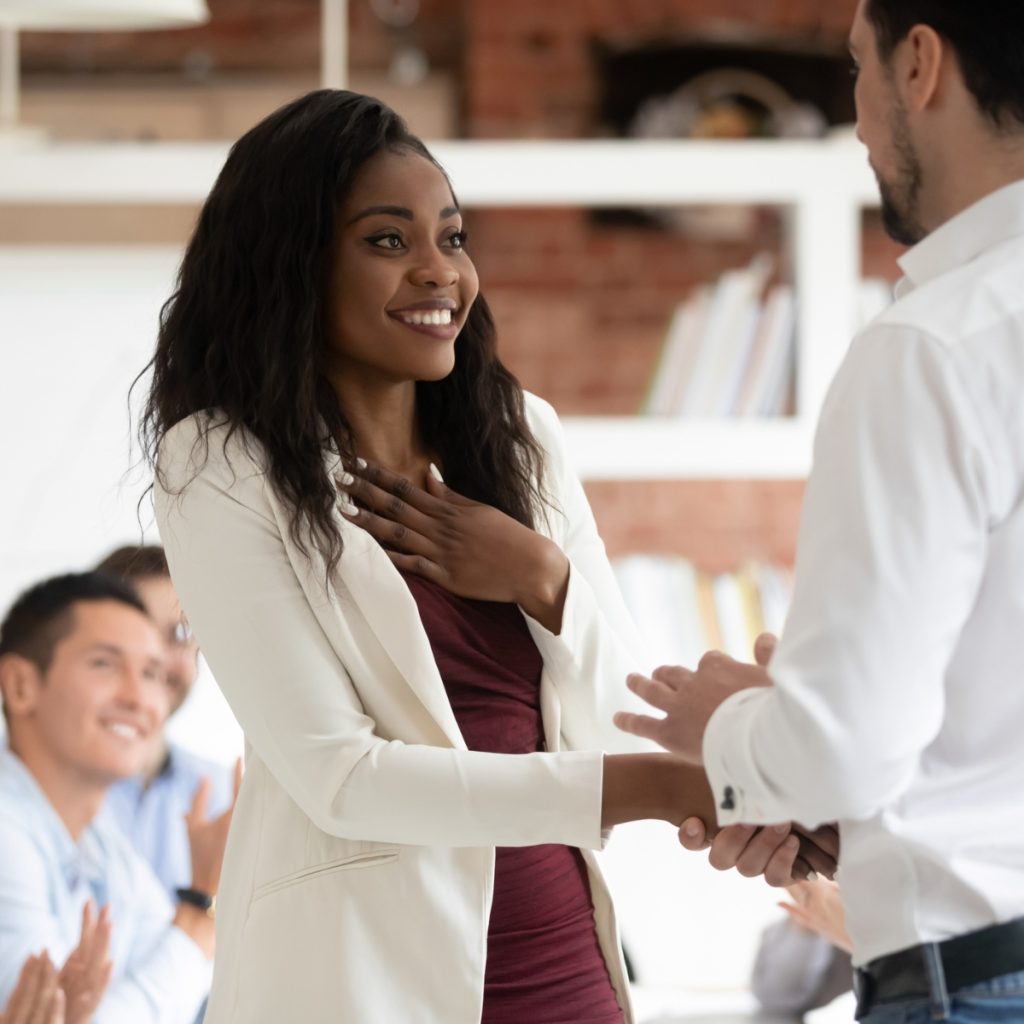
[(728, 802)]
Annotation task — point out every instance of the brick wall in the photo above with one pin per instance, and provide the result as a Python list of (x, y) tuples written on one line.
[(582, 307), (528, 68)]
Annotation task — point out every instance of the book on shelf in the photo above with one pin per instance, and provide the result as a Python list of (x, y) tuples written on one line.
[(768, 375), (710, 342), (726, 339), (682, 612), (730, 349), (732, 622), (678, 354), (661, 595)]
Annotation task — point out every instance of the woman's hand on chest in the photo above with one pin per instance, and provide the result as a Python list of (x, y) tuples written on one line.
[(469, 548)]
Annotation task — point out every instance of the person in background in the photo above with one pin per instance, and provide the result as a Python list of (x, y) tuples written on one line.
[(82, 677), (803, 961), (151, 807), (896, 703)]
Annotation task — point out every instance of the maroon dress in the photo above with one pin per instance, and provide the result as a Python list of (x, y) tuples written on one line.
[(544, 965)]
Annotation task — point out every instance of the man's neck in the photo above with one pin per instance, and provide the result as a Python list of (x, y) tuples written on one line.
[(959, 184), (155, 760)]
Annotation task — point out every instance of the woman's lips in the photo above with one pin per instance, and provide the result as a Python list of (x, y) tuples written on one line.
[(442, 331)]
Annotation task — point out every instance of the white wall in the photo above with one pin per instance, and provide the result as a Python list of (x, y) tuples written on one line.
[(76, 326)]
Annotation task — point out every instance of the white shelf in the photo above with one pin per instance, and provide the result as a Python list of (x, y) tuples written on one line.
[(572, 173), (825, 184), (654, 448)]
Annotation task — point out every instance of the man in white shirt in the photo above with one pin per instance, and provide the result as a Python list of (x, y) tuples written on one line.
[(898, 698), (81, 673)]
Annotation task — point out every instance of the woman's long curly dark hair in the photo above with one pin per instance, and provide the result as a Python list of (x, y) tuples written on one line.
[(245, 331)]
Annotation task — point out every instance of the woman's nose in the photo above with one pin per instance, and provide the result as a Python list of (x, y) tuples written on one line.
[(434, 273)]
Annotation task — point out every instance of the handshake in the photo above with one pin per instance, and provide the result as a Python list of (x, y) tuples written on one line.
[(783, 853)]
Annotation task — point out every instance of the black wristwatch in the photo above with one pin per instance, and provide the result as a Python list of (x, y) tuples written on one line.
[(197, 898)]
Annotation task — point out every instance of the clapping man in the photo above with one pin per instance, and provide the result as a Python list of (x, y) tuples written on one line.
[(81, 673)]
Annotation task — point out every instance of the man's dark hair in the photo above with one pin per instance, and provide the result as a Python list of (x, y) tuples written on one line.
[(986, 36), (135, 562), (44, 614)]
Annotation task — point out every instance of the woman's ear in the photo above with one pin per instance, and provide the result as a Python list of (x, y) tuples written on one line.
[(20, 682)]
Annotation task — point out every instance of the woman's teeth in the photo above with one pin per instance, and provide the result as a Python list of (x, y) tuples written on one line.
[(428, 317)]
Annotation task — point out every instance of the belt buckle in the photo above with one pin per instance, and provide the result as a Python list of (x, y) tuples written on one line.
[(864, 990)]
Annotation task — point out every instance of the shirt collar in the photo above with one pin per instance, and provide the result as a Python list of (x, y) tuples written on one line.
[(982, 226), (81, 861)]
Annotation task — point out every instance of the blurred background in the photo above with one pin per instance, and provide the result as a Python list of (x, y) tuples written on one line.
[(673, 223)]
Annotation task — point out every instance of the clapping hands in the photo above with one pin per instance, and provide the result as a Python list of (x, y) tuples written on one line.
[(71, 995)]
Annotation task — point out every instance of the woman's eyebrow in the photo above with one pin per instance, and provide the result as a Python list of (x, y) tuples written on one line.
[(392, 211), (399, 211)]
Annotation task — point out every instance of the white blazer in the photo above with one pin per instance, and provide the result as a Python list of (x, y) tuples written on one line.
[(359, 870)]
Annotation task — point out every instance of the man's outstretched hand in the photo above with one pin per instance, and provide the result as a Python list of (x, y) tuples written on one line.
[(784, 854), (689, 699)]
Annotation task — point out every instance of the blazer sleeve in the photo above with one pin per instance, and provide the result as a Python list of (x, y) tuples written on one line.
[(598, 644), (297, 704)]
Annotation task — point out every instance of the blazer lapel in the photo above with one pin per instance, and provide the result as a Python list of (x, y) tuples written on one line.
[(378, 590)]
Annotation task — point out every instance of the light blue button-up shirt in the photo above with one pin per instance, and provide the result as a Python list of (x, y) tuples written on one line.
[(152, 816), (160, 975)]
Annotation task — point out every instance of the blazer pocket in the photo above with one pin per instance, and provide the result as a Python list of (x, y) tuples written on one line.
[(367, 859)]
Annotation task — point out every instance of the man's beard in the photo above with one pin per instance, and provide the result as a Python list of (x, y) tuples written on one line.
[(901, 198)]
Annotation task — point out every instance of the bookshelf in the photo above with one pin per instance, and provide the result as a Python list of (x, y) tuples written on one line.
[(823, 186)]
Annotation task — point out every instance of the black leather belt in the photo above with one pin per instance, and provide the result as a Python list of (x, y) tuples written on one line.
[(966, 960)]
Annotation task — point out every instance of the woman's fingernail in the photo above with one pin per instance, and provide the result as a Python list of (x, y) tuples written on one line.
[(780, 829), (347, 507), (436, 473), (346, 479), (812, 876), (692, 830), (361, 463)]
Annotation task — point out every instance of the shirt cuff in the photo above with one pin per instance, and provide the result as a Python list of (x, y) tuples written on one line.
[(729, 761)]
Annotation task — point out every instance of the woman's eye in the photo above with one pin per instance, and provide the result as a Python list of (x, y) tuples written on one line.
[(457, 240), (389, 241)]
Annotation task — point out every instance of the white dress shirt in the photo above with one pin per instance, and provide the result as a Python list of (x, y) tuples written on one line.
[(898, 704)]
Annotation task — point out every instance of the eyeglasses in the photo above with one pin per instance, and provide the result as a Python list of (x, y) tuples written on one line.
[(181, 635)]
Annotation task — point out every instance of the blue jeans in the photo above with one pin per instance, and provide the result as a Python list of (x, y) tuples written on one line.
[(989, 1002)]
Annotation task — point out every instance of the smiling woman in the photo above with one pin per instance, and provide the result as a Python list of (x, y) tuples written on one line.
[(425, 669), (402, 285)]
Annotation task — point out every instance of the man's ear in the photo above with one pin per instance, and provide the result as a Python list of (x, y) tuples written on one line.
[(920, 66), (20, 682)]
